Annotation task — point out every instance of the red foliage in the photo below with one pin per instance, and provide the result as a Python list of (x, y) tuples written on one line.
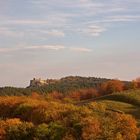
[(112, 86), (35, 95), (84, 94), (138, 82), (91, 129), (56, 95)]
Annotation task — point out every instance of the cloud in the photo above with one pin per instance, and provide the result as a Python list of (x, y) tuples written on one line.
[(25, 22), (107, 20), (93, 30), (54, 32), (44, 47), (59, 16), (48, 47), (96, 27), (5, 50), (123, 18), (76, 8), (41, 47), (80, 49), (4, 31), (88, 8), (60, 47), (33, 32)]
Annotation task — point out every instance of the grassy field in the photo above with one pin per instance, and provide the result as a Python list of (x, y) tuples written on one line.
[(124, 107), (127, 102)]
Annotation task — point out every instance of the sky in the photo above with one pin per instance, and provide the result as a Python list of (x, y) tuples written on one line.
[(58, 38)]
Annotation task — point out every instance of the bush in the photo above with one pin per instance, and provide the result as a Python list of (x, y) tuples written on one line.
[(42, 132), (14, 129), (23, 131), (58, 121), (57, 131)]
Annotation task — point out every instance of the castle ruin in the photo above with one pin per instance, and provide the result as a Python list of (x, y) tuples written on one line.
[(39, 82)]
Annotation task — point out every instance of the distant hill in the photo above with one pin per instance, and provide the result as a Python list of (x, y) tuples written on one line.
[(69, 83), (115, 112), (88, 81), (63, 85)]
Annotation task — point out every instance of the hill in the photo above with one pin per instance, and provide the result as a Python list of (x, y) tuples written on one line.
[(63, 85), (70, 83), (42, 116), (126, 102), (42, 119)]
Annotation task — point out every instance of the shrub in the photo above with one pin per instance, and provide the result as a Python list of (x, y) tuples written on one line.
[(57, 131), (14, 129), (42, 132), (23, 131)]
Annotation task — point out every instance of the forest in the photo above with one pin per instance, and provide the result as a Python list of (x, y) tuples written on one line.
[(107, 111)]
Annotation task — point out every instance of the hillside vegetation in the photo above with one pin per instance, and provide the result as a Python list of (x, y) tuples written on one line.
[(64, 85), (130, 96), (82, 110), (39, 119)]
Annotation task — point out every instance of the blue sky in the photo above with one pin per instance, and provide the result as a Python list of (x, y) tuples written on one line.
[(57, 38)]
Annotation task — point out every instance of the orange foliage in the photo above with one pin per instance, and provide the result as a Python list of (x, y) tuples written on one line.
[(2, 134), (127, 126), (112, 86), (72, 122), (91, 129), (131, 85), (35, 95), (83, 94), (8, 104), (5, 124), (138, 82), (56, 95)]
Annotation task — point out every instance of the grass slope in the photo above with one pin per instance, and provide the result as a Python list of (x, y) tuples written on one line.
[(124, 107), (127, 102), (130, 97)]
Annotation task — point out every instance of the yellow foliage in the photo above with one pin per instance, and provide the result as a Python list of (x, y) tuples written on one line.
[(85, 122)]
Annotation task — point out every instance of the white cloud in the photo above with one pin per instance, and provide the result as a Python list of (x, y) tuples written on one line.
[(33, 32), (121, 18), (54, 32), (5, 50), (41, 47), (93, 30), (55, 18), (48, 47), (4, 31), (25, 22), (60, 47), (44, 47), (78, 49)]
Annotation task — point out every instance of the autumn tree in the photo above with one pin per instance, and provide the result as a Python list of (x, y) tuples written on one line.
[(112, 86), (131, 85), (91, 128), (39, 119), (138, 82), (119, 127), (56, 95), (83, 94)]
